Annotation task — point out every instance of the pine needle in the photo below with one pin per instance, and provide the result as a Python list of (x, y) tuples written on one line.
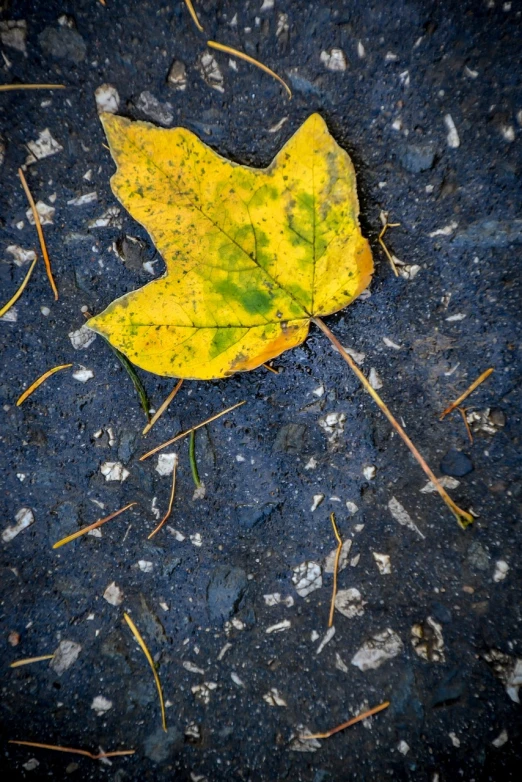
[(188, 431), (96, 524), (271, 369), (39, 231), (235, 53), (20, 290), (192, 459), (171, 501), (466, 393), (194, 15), (335, 568), (136, 634), (135, 378), (38, 382), (386, 225), (159, 412), (347, 724), (29, 660), (9, 87), (468, 430), (463, 517), (84, 752)]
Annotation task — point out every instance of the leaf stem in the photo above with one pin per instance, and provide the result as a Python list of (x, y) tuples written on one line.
[(463, 517)]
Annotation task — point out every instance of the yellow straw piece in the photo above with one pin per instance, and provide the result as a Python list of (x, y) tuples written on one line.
[(39, 231), (39, 381), (194, 15), (159, 412), (137, 636), (9, 87), (29, 660), (96, 524), (20, 290), (235, 53), (184, 434)]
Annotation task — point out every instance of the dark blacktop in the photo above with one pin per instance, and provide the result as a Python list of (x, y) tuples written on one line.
[(233, 597)]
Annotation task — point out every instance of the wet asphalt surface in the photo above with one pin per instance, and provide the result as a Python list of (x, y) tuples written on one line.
[(408, 66)]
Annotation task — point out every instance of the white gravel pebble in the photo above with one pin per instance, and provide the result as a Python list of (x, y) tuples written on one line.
[(113, 595), (107, 99), (101, 704), (24, 518), (377, 650), (114, 471)]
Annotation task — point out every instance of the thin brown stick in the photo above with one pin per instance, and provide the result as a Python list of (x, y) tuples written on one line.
[(188, 431), (29, 660), (468, 430), (19, 292), (353, 721), (194, 15), (143, 646), (387, 253), (38, 382), (9, 87), (159, 412), (171, 501), (271, 369), (39, 231), (335, 568), (96, 524), (463, 517), (221, 47), (466, 393), (84, 752)]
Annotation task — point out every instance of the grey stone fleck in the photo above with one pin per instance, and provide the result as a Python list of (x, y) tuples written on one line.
[(64, 656), (455, 463), (416, 158), (159, 112), (177, 77), (63, 43), (250, 516), (290, 438), (13, 33), (225, 590), (477, 556), (487, 234), (160, 745)]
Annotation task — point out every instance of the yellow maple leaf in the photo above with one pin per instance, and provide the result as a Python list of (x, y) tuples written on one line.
[(251, 254)]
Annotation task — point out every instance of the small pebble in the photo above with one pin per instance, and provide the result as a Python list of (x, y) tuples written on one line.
[(456, 463)]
